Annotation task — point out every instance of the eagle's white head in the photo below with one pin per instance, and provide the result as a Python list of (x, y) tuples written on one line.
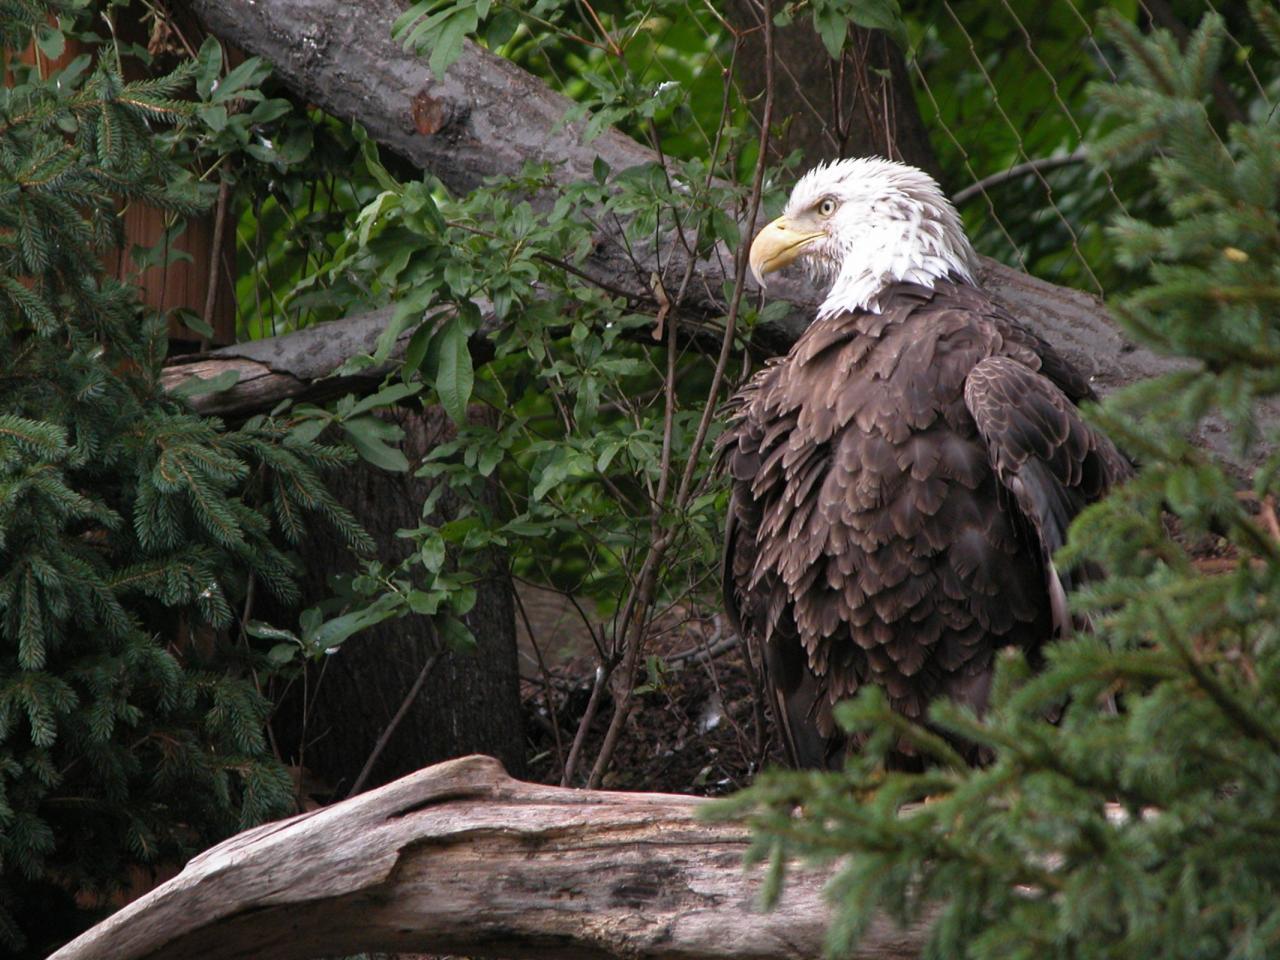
[(865, 225)]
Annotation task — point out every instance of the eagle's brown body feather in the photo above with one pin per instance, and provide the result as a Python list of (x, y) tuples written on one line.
[(900, 481)]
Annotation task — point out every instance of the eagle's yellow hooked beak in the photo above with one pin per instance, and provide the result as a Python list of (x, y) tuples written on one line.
[(778, 244)]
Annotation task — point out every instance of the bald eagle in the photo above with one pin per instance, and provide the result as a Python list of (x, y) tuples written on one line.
[(903, 476)]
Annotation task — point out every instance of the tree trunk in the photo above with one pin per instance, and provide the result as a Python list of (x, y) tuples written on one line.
[(860, 105), (461, 859), (469, 703)]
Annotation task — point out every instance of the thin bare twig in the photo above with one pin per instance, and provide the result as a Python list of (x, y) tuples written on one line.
[(593, 706), (1037, 166), (385, 738), (633, 619), (613, 47), (703, 651), (710, 646), (542, 668), (219, 228)]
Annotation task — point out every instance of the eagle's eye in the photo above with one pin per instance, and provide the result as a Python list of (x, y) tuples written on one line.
[(827, 207)]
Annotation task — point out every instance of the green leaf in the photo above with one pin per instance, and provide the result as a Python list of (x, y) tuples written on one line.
[(425, 604), (410, 16), (563, 464), (725, 228), (432, 553), (282, 653), (248, 74), (369, 154), (214, 117), (454, 374), (489, 458), (408, 312), (455, 531), (501, 28), (524, 527), (51, 41), (305, 431), (456, 634), (193, 321), (442, 33), (199, 387), (832, 27), (611, 450), (416, 352), (883, 15), (269, 110), (265, 631), (373, 212), (385, 397), (332, 633), (463, 600), (208, 66), (368, 436)]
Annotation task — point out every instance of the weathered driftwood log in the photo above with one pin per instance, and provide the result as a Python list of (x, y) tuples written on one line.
[(459, 858)]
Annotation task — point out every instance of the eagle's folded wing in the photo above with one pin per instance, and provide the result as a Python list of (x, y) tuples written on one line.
[(1042, 451)]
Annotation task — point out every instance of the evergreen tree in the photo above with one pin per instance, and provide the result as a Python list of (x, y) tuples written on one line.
[(1151, 829), (131, 529)]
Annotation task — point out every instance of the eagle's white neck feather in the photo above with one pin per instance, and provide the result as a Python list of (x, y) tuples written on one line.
[(892, 225)]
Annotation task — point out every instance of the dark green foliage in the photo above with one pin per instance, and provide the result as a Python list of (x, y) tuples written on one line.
[(130, 529), (1149, 831), (576, 444)]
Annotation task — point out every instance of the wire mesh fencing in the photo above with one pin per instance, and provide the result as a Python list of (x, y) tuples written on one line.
[(994, 98), (1002, 91)]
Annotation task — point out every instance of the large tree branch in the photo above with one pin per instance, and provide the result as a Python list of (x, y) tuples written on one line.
[(300, 365), (487, 117), (459, 858)]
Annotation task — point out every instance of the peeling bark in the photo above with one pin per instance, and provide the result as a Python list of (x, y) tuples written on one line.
[(459, 858)]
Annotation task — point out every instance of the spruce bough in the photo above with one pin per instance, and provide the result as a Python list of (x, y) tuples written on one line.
[(131, 529)]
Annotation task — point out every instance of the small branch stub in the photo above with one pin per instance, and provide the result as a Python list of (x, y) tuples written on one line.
[(432, 114)]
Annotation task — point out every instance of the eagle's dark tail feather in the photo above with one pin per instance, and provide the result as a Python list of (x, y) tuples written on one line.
[(797, 701)]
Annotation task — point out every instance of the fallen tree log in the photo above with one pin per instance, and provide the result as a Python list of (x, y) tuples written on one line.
[(460, 858)]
